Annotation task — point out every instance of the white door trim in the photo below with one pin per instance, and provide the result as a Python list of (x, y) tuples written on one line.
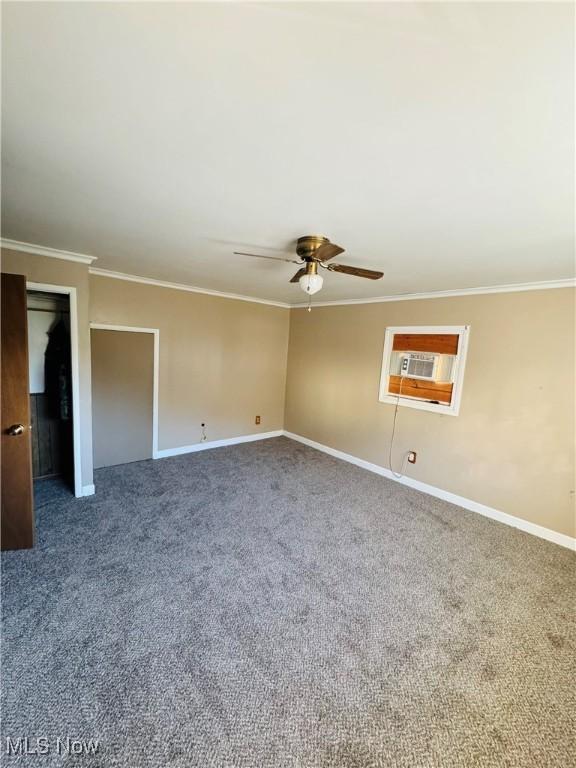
[(76, 431), (156, 333)]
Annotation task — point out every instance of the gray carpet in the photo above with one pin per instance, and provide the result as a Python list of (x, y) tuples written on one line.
[(266, 605)]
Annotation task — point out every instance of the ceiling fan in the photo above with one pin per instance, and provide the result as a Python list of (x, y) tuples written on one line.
[(314, 251)]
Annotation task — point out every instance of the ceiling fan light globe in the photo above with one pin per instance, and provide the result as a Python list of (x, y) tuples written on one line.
[(311, 284)]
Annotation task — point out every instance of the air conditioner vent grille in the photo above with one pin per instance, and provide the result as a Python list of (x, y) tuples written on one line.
[(424, 368)]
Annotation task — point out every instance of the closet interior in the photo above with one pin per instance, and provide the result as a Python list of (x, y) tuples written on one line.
[(50, 376)]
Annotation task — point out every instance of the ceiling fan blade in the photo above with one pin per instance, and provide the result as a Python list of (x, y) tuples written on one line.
[(327, 251), (298, 275), (262, 256), (369, 273)]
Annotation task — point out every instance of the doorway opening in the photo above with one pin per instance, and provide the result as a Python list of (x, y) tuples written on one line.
[(64, 298), (50, 388), (124, 393)]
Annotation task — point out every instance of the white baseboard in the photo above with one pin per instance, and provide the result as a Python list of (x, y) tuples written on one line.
[(88, 490), (166, 452), (453, 498)]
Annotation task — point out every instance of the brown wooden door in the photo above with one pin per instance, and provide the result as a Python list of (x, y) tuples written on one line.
[(16, 481)]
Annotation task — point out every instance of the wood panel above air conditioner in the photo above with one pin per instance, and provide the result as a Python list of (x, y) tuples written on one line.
[(441, 343)]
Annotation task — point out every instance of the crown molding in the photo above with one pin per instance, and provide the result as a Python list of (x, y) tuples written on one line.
[(543, 285), (82, 258), (509, 288), (183, 287), (41, 250)]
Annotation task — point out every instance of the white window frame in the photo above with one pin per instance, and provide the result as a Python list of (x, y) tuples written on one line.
[(453, 409)]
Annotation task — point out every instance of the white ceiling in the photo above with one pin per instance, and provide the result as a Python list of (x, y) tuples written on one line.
[(433, 141)]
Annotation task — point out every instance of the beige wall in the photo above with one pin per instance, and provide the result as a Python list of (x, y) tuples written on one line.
[(511, 447), (222, 361), (122, 396), (41, 269)]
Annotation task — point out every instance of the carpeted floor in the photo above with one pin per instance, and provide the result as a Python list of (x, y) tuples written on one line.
[(267, 606)]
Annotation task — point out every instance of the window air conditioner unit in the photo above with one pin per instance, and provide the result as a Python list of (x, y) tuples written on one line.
[(418, 365)]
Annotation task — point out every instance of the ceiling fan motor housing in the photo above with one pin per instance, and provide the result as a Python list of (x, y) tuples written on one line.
[(307, 245)]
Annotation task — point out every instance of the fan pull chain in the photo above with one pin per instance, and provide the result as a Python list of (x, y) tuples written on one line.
[(309, 302)]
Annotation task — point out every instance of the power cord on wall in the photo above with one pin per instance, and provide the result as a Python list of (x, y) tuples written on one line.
[(401, 473)]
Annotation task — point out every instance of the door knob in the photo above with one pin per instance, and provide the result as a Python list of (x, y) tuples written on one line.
[(16, 429)]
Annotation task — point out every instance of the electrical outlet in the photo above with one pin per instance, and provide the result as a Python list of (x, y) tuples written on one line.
[(257, 421), (411, 457)]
